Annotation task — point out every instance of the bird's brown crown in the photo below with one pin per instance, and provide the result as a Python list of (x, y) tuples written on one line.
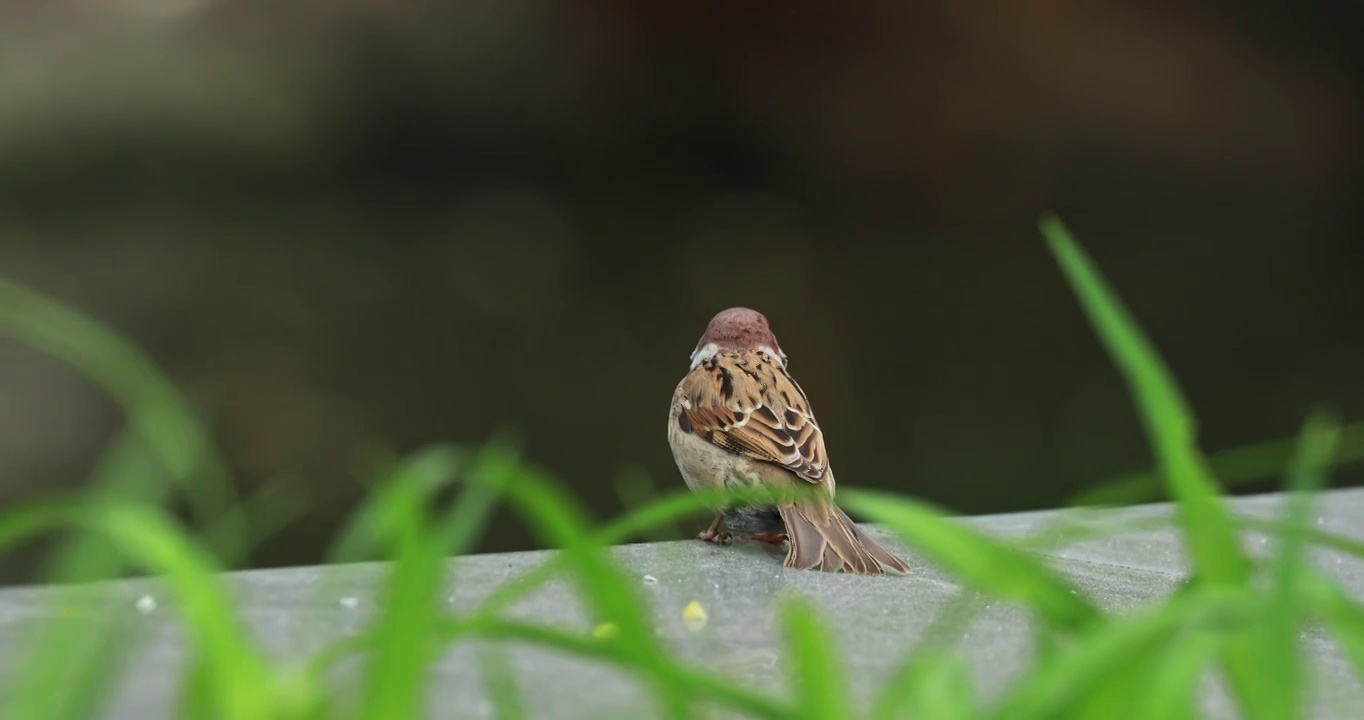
[(739, 329)]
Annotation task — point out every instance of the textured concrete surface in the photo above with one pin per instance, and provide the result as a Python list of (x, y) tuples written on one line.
[(296, 611)]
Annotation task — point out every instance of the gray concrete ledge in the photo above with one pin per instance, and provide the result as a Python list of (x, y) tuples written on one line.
[(295, 611)]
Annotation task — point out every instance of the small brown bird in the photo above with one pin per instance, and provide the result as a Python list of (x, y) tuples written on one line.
[(738, 419)]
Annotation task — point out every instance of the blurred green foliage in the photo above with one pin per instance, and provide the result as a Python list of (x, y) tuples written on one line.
[(1088, 664)]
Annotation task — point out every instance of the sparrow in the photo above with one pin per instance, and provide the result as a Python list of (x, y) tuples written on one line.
[(739, 420)]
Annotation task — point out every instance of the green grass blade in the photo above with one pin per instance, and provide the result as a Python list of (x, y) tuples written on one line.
[(376, 528), (934, 685), (56, 648), (396, 672), (499, 680), (99, 672), (95, 658), (666, 509), (902, 691), (497, 465), (981, 562), (662, 510), (658, 666), (1339, 612), (408, 484), (816, 673), (1168, 690), (61, 649), (157, 413), (128, 470), (153, 542), (404, 650), (1313, 536), (1161, 675), (1265, 662), (559, 521), (197, 698), (636, 490), (1068, 679), (1232, 467), (1061, 533), (163, 445), (265, 511), (1211, 536)]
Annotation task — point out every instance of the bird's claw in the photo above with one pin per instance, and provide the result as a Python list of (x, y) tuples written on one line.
[(719, 537)]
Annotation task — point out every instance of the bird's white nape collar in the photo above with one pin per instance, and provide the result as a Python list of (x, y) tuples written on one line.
[(779, 357), (704, 353), (708, 352)]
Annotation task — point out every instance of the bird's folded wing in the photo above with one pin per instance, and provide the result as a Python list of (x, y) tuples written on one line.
[(752, 407)]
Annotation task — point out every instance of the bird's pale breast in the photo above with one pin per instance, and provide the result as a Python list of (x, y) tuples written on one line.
[(703, 465)]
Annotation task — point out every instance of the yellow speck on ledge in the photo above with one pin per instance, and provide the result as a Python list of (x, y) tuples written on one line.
[(694, 615), (605, 630)]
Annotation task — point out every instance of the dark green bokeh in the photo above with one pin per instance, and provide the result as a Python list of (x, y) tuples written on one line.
[(444, 224)]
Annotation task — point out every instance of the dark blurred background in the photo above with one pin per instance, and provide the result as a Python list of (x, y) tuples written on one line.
[(349, 222)]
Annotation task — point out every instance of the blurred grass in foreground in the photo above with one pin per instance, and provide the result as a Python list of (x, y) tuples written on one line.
[(1089, 664)]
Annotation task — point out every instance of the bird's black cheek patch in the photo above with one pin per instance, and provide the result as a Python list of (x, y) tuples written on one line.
[(683, 422)]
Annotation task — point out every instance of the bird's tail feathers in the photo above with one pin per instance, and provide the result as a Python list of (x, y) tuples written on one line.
[(823, 537)]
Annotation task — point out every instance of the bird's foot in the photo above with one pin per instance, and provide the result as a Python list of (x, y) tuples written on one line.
[(714, 534), (719, 537), (775, 538)]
